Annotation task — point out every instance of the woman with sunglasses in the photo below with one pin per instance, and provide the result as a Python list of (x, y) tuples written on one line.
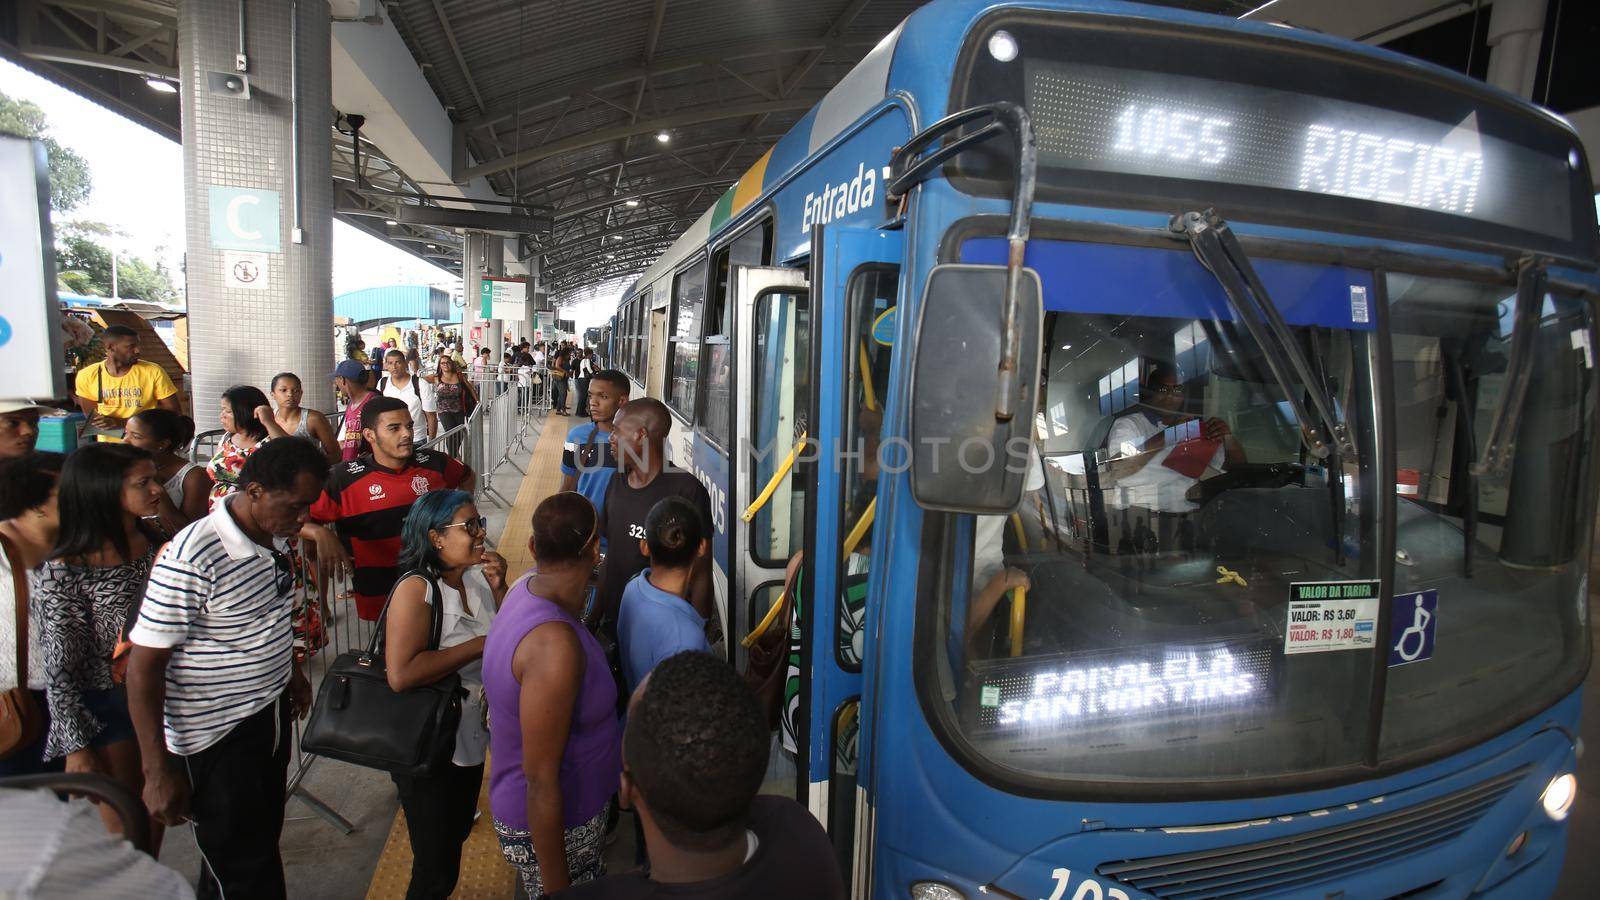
[(553, 706), (448, 570)]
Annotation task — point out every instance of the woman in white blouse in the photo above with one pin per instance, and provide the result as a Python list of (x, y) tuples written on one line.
[(446, 563)]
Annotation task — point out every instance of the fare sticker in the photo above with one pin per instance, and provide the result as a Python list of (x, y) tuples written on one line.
[(1324, 616)]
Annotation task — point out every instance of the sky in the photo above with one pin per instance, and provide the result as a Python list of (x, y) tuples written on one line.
[(138, 189)]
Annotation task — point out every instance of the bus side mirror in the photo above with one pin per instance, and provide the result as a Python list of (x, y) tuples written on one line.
[(964, 459)]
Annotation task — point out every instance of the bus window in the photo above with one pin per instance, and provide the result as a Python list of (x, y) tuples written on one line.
[(1503, 553), (683, 347), (781, 386), (871, 295), (750, 249), (641, 340), (1170, 506)]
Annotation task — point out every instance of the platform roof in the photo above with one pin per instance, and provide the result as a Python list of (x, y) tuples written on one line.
[(557, 103)]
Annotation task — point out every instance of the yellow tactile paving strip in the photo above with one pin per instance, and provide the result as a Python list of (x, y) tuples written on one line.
[(485, 875)]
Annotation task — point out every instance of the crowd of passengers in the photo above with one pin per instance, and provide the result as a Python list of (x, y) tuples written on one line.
[(164, 612)]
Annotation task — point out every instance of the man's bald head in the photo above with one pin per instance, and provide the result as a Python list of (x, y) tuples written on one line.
[(647, 413), (639, 435)]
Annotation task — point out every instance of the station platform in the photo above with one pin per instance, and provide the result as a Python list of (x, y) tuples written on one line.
[(324, 862)]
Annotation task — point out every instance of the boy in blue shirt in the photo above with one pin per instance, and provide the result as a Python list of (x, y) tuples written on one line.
[(655, 621), (587, 463)]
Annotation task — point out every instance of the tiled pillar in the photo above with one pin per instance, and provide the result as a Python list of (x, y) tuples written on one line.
[(260, 293)]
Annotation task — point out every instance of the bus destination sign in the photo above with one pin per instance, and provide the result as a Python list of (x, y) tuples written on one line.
[(1126, 684), (1109, 119)]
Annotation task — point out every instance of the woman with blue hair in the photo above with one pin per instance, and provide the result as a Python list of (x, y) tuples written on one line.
[(442, 553)]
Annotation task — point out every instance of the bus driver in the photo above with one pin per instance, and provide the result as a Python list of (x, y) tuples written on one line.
[(1159, 450)]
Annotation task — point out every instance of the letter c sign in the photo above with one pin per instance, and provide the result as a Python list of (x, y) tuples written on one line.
[(244, 219)]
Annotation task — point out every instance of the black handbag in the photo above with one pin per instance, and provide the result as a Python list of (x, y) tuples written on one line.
[(359, 719)]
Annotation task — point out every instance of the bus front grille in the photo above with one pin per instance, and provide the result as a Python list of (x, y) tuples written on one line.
[(1312, 857)]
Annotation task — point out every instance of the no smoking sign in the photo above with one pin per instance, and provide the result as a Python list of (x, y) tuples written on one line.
[(245, 270)]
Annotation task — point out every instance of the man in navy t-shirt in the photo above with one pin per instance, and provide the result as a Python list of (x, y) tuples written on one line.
[(587, 463), (655, 621)]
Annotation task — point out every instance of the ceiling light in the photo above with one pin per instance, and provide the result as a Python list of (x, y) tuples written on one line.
[(390, 222), (663, 137), (636, 203), (161, 85), (611, 256)]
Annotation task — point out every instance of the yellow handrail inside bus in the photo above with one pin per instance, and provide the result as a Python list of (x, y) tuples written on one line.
[(1228, 576), (1022, 536), (860, 529), (766, 621), (1019, 613), (870, 397), (775, 480)]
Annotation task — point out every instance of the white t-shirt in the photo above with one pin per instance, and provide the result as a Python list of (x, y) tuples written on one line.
[(429, 392), (53, 849), (988, 555), (412, 398), (8, 635), (472, 739), (1155, 486)]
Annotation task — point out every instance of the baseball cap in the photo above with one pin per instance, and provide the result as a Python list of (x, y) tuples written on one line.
[(11, 406), (351, 369)]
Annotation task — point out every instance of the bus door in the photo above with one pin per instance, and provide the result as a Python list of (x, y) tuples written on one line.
[(773, 307), (857, 278), (769, 490)]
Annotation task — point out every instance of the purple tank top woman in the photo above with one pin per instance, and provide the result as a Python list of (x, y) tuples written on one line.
[(592, 761)]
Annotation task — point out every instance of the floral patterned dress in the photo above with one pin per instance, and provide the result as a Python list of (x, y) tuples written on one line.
[(309, 634)]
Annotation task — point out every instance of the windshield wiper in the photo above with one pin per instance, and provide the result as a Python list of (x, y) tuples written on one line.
[(1502, 441), (1219, 251)]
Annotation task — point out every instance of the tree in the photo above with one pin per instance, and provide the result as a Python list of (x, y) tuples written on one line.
[(70, 182), (139, 280), (83, 266)]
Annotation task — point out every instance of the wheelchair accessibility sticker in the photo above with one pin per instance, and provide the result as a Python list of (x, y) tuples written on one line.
[(1413, 623)]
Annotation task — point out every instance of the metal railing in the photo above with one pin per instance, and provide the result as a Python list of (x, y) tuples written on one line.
[(511, 402)]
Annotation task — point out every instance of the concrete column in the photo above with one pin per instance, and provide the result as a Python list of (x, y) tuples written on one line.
[(494, 264), (530, 308), (260, 296), (1516, 32), (471, 287)]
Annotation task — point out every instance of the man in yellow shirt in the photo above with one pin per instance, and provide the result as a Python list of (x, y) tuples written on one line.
[(112, 391)]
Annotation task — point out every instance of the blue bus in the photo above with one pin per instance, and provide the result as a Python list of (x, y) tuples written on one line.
[(1183, 431)]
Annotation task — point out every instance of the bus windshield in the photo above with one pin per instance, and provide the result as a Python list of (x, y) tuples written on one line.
[(1201, 593)]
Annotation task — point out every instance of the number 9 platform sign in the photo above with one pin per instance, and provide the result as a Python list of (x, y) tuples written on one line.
[(30, 318)]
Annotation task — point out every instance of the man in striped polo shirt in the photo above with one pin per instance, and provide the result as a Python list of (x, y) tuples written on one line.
[(212, 679)]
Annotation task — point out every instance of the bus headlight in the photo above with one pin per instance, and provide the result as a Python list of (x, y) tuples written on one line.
[(1002, 46), (933, 890), (1558, 796)]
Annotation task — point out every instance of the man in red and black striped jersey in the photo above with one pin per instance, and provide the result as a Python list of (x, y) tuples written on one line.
[(367, 499)]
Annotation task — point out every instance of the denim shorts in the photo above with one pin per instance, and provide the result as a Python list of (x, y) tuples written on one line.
[(110, 706)]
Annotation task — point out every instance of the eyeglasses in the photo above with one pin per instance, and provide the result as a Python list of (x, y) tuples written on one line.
[(1169, 389), (480, 525)]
